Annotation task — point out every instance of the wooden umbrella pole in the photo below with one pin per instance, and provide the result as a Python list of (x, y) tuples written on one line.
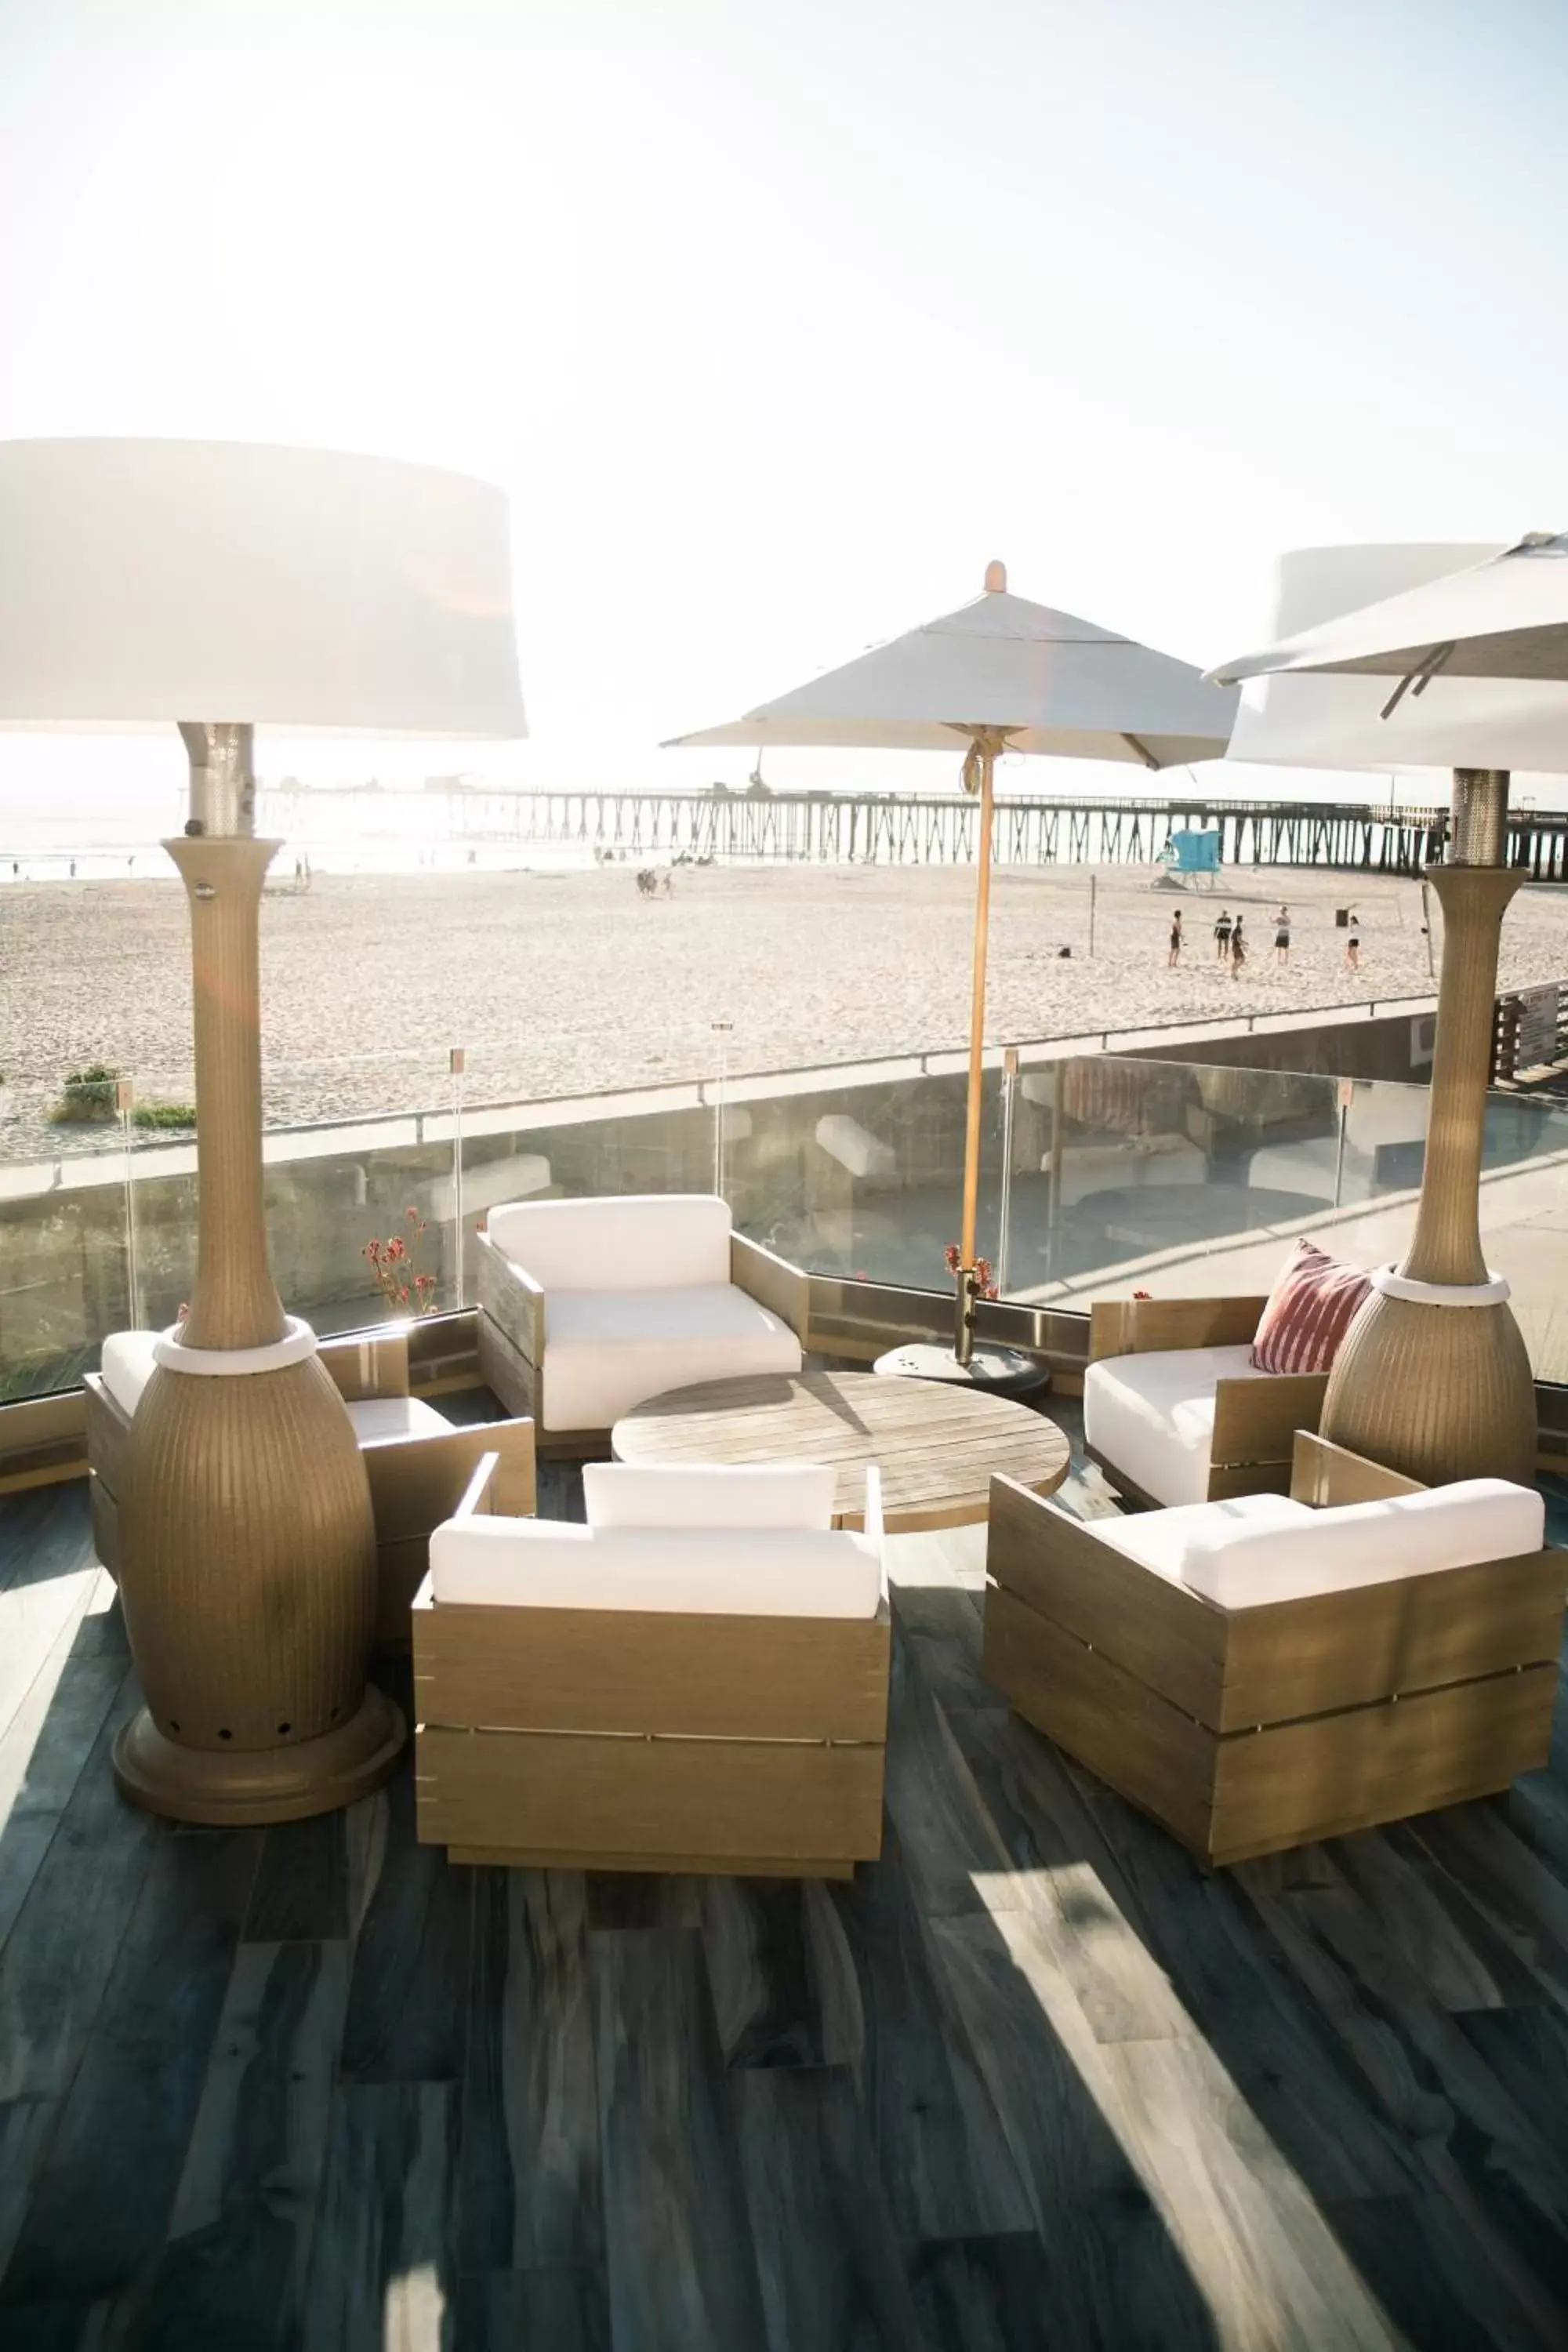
[(985, 743)]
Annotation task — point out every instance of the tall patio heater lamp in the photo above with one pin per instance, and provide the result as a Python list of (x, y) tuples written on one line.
[(217, 586), (999, 675), (1433, 1378)]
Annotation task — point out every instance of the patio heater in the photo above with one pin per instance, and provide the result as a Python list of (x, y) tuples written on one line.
[(217, 586), (1433, 1378)]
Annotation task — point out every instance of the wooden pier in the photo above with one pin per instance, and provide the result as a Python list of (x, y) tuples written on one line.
[(838, 829)]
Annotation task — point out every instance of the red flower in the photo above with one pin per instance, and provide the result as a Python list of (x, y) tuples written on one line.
[(1142, 1294), (396, 1248)]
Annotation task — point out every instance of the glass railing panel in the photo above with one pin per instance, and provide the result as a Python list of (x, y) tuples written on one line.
[(359, 1156), (63, 1261), (862, 1176), (1128, 1168)]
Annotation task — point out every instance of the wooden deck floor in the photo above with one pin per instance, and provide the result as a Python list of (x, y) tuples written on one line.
[(1033, 2080)]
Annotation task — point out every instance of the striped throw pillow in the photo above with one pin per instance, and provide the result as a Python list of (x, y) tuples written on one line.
[(1309, 1312)]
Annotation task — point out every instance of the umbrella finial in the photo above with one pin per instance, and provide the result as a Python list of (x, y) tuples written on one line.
[(996, 579)]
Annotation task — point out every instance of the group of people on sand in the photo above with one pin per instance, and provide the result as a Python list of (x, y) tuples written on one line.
[(1230, 943)]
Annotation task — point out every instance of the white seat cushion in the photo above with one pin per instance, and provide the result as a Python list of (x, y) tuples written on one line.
[(1152, 1415), (1163, 1540), (725, 1572), (709, 1494), (636, 1241), (126, 1366), (607, 1350), (1255, 1548), (1242, 1565), (381, 1420)]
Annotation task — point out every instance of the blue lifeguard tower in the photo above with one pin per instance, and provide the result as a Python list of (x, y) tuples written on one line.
[(1191, 857)]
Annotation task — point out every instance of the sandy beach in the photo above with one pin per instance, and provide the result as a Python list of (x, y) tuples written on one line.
[(571, 982)]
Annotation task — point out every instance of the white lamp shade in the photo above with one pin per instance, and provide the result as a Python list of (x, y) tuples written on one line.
[(1330, 721), (161, 581)]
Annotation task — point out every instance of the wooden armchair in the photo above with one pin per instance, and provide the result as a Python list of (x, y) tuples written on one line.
[(696, 1680), (1362, 1650), (1173, 1411), (590, 1306), (418, 1464)]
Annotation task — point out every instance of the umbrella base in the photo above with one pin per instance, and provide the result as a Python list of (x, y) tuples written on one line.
[(998, 1372)]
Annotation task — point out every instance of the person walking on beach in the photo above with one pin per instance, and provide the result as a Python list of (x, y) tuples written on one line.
[(1283, 936), (1175, 955), (1353, 943), (1222, 936), (1237, 950)]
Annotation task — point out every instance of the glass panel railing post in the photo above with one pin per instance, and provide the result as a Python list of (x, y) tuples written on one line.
[(1004, 1219), (1054, 1181), (456, 1059), (721, 1033), (1347, 1095), (124, 1103)]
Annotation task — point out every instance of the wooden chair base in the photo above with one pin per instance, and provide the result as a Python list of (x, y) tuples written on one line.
[(662, 1865)]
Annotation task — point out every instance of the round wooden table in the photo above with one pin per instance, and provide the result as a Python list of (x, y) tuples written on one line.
[(935, 1445)]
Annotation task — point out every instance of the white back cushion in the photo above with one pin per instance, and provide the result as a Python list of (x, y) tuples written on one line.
[(765, 1572), (1240, 1566), (642, 1241), (126, 1367), (707, 1495)]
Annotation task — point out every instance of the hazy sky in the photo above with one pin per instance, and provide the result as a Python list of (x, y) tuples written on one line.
[(778, 322)]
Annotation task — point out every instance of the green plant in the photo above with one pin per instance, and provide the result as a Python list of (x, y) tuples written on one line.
[(88, 1094), (160, 1115)]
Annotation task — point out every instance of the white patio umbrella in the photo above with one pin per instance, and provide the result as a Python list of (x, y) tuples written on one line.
[(999, 675), (1505, 617)]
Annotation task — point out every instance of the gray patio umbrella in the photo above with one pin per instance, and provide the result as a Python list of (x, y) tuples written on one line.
[(999, 675)]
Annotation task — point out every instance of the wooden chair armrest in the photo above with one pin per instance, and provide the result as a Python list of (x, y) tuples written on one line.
[(1138, 1326), (873, 1520), (368, 1363), (417, 1482), (1257, 1421), (509, 1293), (1325, 1474), (772, 1281), (479, 1496)]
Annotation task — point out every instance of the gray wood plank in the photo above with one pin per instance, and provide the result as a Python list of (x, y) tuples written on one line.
[(829, 2260), (1426, 1916), (947, 1840), (301, 1892), (753, 1938), (26, 2126), (239, 2240), (66, 1935), (682, 2274), (1114, 2275), (101, 2199), (1431, 2278), (1235, 1985), (946, 2168), (530, 2195), (988, 2295), (383, 2271), (1506, 2185), (557, 2309), (405, 2018), (42, 1757)]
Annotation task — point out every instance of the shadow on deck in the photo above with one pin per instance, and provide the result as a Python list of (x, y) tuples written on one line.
[(1031, 2080)]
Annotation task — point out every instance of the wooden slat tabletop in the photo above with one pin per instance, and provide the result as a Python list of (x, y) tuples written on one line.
[(936, 1446)]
